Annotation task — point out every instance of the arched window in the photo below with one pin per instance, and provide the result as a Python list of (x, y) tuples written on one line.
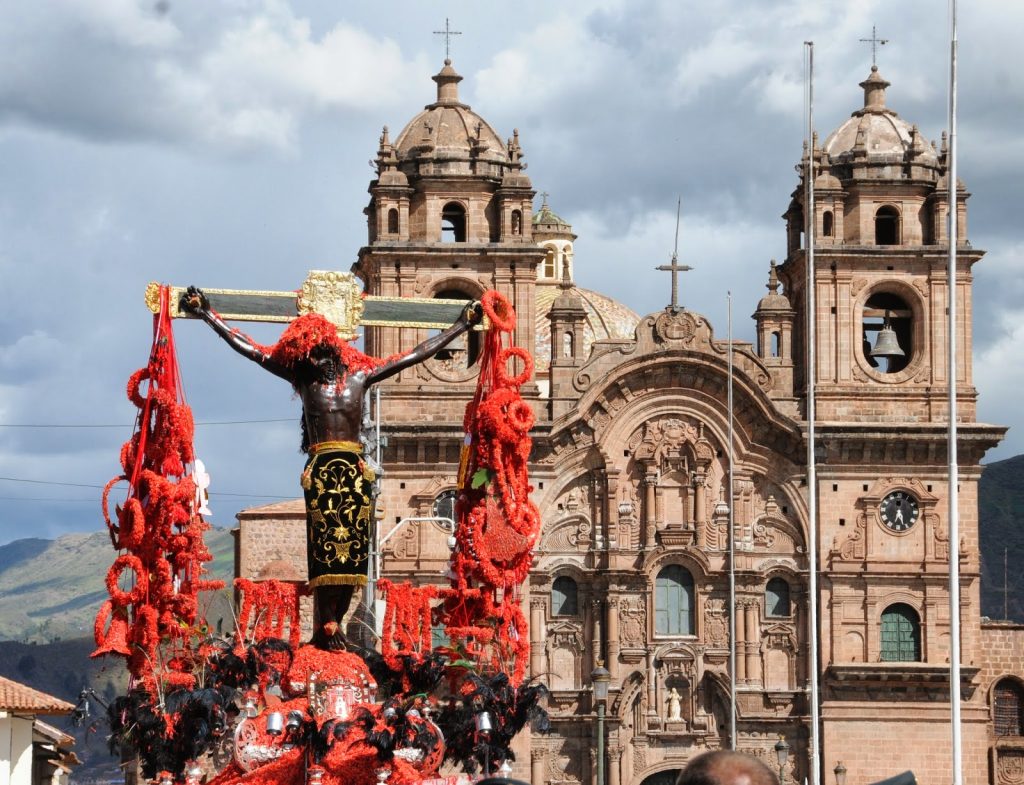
[(564, 597), (901, 634), (828, 228), (517, 222), (887, 226), (392, 221), (567, 344), (888, 332), (1008, 707), (776, 344), (453, 223), (776, 598), (673, 601), (549, 263)]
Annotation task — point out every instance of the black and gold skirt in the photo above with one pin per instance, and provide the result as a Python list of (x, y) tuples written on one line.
[(339, 505)]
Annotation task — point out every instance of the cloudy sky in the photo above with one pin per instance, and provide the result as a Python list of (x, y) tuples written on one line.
[(226, 144)]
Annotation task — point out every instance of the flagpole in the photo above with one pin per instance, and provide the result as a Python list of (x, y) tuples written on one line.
[(732, 550), (954, 479), (814, 758)]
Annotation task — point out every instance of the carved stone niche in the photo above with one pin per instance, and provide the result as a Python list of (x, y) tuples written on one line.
[(676, 669), (778, 652), (633, 628), (564, 651)]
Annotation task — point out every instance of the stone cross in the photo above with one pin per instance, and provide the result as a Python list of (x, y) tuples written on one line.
[(675, 268), (875, 42), (447, 33), (337, 296)]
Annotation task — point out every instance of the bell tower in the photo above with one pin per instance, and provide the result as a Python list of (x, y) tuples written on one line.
[(881, 250), (450, 215)]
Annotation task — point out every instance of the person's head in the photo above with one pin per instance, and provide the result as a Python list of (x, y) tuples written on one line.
[(722, 767), (324, 357)]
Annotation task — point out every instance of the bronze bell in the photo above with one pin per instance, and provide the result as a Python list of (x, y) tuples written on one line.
[(887, 345)]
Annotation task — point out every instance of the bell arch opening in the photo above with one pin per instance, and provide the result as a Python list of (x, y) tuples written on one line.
[(453, 223), (887, 332)]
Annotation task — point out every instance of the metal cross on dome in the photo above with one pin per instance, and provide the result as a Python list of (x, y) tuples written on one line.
[(447, 33), (675, 268), (875, 42)]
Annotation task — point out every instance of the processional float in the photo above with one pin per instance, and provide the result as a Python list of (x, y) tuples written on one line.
[(260, 706)]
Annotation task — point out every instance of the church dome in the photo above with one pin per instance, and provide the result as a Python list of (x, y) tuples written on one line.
[(450, 137), (547, 220), (877, 133), (606, 318)]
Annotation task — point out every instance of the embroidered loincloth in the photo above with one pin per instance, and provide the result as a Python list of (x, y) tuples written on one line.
[(337, 485)]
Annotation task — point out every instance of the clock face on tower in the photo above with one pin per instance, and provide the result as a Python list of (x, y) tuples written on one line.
[(899, 511)]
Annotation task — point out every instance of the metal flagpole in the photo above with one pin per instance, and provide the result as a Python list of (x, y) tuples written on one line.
[(732, 552), (954, 479), (812, 481)]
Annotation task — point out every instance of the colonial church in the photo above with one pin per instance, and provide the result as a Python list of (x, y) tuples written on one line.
[(631, 465)]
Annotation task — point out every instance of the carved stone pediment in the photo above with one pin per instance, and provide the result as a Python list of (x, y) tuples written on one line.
[(565, 634), (571, 534)]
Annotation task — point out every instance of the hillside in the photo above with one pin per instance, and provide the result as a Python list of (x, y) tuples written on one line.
[(1001, 513), (51, 589)]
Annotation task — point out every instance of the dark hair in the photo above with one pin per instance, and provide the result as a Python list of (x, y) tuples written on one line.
[(720, 767)]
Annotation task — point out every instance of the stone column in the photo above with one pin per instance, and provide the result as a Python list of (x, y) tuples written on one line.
[(650, 480), (613, 637), (596, 649), (625, 764), (611, 511), (614, 756), (537, 637), (741, 646), (699, 499), (652, 695), (753, 636), (538, 756)]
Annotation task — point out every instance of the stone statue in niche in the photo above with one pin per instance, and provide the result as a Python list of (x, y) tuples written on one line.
[(675, 706)]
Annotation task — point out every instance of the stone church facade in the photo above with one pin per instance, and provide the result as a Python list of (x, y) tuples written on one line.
[(631, 466)]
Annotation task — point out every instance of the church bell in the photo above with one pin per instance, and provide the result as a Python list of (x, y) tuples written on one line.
[(887, 345)]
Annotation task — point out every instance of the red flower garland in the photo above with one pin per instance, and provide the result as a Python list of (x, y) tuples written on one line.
[(157, 527)]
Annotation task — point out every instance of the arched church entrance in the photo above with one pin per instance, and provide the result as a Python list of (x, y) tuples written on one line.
[(666, 777)]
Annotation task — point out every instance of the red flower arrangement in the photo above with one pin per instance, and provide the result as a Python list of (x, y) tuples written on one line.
[(158, 529), (278, 602)]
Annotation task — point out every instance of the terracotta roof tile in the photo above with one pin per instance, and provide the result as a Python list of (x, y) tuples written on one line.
[(18, 697)]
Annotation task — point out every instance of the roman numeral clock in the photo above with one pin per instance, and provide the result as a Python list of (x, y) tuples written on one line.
[(899, 511)]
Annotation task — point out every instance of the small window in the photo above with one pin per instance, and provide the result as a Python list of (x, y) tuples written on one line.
[(392, 221), (828, 224), (776, 598), (517, 222), (1007, 708), (444, 504), (901, 634), (776, 340), (887, 226), (453, 223), (673, 601), (549, 264), (564, 599), (567, 344)]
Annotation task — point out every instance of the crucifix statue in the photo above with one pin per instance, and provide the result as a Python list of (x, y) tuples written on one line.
[(331, 378)]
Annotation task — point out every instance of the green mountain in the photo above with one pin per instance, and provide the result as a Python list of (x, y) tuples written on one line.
[(51, 589), (1001, 519)]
